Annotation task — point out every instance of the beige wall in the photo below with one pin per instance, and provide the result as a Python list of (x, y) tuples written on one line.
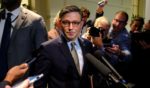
[(147, 11), (110, 8), (42, 8), (49, 8), (24, 2), (142, 7)]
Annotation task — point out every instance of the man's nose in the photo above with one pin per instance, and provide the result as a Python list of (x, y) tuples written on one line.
[(70, 26)]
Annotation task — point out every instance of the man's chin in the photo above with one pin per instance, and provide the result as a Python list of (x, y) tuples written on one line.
[(71, 38)]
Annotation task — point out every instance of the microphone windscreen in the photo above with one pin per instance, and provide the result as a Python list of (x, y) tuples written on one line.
[(97, 53), (98, 65)]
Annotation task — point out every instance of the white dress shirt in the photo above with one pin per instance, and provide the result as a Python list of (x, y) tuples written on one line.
[(79, 52), (14, 16)]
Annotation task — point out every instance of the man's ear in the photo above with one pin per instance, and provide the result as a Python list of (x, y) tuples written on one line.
[(58, 23)]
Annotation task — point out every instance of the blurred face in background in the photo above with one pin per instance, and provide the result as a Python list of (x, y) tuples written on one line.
[(135, 26), (85, 16), (147, 25), (119, 22), (102, 24)]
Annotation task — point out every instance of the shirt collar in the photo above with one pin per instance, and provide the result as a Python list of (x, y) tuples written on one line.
[(76, 43), (14, 13)]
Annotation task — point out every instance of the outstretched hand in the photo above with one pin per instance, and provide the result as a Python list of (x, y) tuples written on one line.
[(16, 72)]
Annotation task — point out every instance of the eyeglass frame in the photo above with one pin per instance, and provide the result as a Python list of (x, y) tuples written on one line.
[(120, 21), (68, 23)]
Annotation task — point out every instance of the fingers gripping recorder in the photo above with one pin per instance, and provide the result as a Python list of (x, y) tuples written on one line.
[(35, 78), (32, 79), (102, 3)]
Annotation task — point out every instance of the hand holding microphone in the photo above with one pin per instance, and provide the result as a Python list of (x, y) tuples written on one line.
[(16, 72), (28, 83), (24, 84), (101, 4)]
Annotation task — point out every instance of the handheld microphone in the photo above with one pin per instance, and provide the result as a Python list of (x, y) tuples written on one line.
[(102, 68), (29, 62), (33, 58), (97, 64), (114, 71)]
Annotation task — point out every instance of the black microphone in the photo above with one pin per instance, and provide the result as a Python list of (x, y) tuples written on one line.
[(33, 58), (97, 64), (97, 53), (101, 67), (30, 61)]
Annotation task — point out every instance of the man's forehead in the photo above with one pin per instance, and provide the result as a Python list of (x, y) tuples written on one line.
[(71, 16)]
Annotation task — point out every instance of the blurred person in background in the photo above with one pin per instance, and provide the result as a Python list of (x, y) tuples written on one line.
[(103, 25), (146, 26), (120, 50), (136, 24), (55, 32), (140, 54), (86, 15)]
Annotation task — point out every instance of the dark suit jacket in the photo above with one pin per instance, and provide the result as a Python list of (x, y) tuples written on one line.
[(28, 33), (140, 49), (58, 66)]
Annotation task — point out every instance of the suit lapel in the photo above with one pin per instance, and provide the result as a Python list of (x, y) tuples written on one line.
[(19, 22), (21, 18), (82, 44), (64, 48), (66, 52), (84, 51)]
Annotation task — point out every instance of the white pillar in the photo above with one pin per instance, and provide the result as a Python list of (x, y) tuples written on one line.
[(147, 11)]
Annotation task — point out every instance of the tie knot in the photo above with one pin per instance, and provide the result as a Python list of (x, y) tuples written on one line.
[(73, 45), (9, 15)]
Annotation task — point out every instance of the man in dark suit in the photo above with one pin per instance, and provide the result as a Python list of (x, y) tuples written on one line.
[(28, 31), (56, 60)]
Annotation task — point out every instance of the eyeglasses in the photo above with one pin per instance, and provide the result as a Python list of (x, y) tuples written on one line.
[(120, 21), (74, 23)]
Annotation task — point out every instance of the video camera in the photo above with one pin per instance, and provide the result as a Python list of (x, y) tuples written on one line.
[(94, 31)]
